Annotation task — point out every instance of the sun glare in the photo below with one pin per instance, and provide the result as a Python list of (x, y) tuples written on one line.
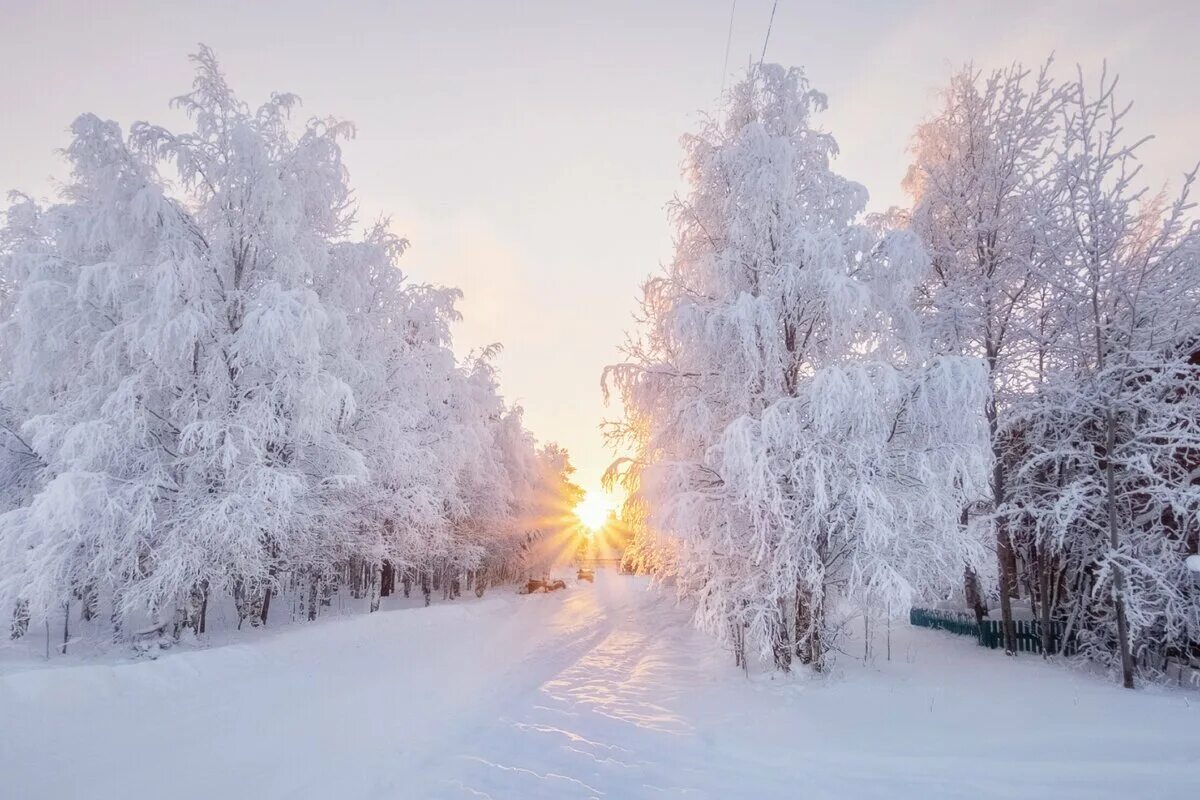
[(593, 510)]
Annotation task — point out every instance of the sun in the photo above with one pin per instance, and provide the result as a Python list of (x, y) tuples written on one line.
[(593, 509)]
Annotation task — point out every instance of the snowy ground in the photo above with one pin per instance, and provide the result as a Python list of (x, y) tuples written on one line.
[(599, 691)]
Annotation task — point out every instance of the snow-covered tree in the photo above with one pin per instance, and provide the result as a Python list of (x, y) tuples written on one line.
[(1078, 289), (979, 182), (212, 387), (795, 441), (1108, 479)]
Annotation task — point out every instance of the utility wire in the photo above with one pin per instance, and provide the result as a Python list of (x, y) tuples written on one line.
[(767, 38), (728, 41)]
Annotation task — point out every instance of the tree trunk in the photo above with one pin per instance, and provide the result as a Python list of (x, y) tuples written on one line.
[(375, 587), (66, 625), (1043, 568), (971, 590), (266, 603), (426, 588), (202, 622), (312, 599), (239, 603), (815, 643), (739, 645), (804, 625), (1110, 437), (1004, 555), (1004, 550), (973, 594), (248, 603), (20, 620), (89, 599), (782, 646), (116, 618), (388, 580)]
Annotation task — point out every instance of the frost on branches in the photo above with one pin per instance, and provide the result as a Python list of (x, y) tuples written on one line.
[(1079, 289), (1108, 447), (801, 455), (212, 388), (980, 202)]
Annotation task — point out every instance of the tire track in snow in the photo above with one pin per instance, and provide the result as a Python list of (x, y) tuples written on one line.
[(560, 741)]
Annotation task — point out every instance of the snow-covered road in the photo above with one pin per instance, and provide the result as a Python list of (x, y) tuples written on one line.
[(599, 691)]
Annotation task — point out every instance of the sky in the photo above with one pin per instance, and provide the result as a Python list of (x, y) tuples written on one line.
[(528, 149)]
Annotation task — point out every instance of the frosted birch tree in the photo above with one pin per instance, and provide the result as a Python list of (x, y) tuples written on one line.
[(213, 387), (979, 182), (1113, 438), (796, 443)]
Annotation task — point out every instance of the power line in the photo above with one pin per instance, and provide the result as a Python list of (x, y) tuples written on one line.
[(767, 38), (728, 41)]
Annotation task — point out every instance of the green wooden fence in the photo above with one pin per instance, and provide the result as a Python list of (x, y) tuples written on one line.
[(991, 632)]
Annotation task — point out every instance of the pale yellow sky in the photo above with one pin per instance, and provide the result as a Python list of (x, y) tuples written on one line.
[(528, 149)]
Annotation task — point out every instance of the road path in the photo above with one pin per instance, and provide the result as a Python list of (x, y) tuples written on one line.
[(599, 691)]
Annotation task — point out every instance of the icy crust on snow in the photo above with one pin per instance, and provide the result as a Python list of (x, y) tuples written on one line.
[(603, 690)]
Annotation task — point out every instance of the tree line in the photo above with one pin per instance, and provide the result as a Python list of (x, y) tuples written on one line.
[(216, 387), (991, 395)]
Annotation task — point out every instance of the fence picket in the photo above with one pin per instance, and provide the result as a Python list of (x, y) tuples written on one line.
[(990, 633)]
